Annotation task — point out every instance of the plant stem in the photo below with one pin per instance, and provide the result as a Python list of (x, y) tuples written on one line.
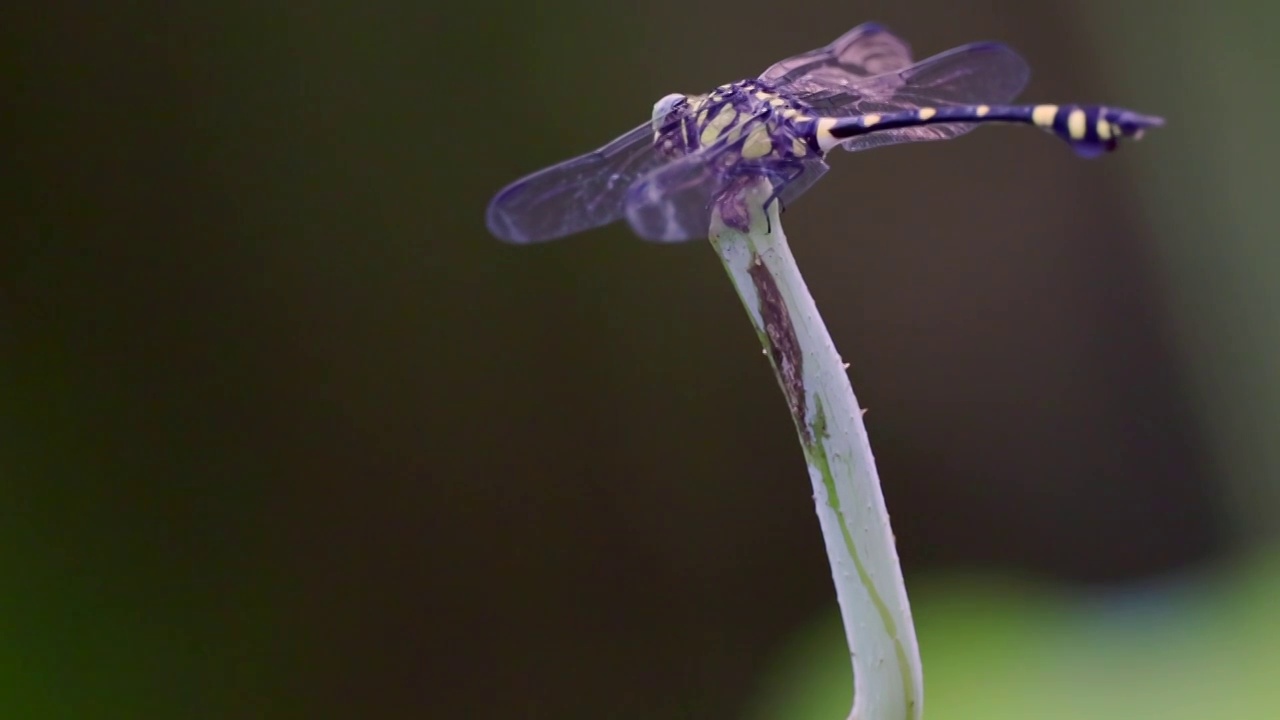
[(888, 680)]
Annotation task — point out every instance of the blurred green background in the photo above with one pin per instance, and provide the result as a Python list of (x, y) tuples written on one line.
[(287, 434)]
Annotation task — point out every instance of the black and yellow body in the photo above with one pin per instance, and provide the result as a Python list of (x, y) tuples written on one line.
[(1090, 129), (862, 90)]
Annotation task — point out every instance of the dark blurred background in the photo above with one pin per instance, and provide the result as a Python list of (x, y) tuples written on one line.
[(287, 434)]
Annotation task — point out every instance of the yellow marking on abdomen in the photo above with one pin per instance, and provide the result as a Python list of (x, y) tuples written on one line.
[(826, 140), (983, 110), (758, 143), (1104, 129), (1076, 124), (869, 120), (926, 112), (1043, 115)]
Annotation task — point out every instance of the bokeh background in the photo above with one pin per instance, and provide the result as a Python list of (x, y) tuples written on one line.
[(286, 434)]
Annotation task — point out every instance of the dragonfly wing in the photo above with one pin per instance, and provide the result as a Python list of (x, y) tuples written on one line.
[(578, 194), (865, 51), (988, 73), (674, 203), (980, 73), (974, 73), (810, 171)]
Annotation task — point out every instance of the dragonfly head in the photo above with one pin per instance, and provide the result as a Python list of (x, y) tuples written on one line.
[(663, 109)]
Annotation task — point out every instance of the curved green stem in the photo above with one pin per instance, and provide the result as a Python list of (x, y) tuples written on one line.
[(888, 681)]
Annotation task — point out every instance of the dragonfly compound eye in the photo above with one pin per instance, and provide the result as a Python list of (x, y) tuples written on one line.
[(666, 106)]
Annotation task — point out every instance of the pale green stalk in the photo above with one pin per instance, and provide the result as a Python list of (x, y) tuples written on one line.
[(888, 681)]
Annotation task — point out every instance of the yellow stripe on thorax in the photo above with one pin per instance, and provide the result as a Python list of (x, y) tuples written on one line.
[(758, 143), (722, 120)]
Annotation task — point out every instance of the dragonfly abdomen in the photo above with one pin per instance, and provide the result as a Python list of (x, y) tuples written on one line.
[(1089, 129)]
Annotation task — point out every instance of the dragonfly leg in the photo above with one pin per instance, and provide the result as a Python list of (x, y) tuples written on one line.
[(782, 173)]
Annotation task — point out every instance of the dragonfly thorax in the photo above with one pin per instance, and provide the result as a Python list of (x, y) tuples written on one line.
[(756, 120)]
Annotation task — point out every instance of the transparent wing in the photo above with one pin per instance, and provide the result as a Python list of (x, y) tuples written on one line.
[(988, 73), (810, 171), (865, 51), (575, 195), (674, 202), (975, 73)]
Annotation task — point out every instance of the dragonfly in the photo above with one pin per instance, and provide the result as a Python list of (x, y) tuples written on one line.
[(863, 90)]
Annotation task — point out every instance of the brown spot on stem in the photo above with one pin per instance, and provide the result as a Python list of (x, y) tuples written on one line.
[(784, 346)]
